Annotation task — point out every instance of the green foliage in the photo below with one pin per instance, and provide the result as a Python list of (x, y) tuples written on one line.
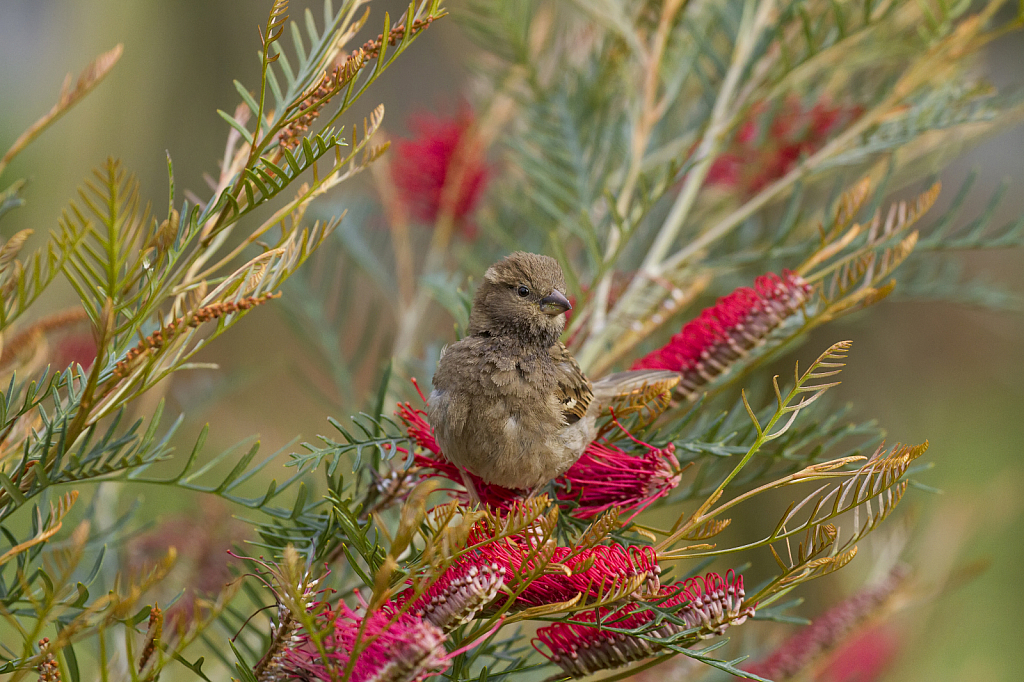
[(156, 291)]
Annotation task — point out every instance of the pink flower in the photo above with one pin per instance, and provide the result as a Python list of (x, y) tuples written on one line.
[(705, 605), (425, 164), (459, 594), (397, 648), (827, 631), (707, 346)]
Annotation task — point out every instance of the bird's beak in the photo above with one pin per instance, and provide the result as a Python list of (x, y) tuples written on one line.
[(555, 303)]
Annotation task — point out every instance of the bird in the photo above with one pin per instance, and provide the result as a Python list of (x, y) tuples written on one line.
[(509, 402)]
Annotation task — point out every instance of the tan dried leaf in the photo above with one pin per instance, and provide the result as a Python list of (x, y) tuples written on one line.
[(598, 530), (707, 529), (69, 96), (47, 531)]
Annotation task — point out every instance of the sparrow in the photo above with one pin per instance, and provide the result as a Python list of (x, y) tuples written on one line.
[(509, 402)]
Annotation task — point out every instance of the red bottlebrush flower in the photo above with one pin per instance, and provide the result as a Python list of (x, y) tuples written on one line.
[(591, 572), (401, 648), (424, 164), (707, 346), (459, 594), (755, 159), (607, 476), (725, 170), (705, 605), (827, 631)]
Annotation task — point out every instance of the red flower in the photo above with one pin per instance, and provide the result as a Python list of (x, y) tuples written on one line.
[(607, 476), (708, 345), (725, 170), (75, 348), (706, 605), (594, 573), (755, 159), (401, 648), (423, 165)]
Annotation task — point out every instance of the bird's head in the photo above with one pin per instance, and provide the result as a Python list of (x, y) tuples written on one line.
[(522, 295)]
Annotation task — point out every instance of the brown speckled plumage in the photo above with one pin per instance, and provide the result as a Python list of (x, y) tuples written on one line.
[(509, 403)]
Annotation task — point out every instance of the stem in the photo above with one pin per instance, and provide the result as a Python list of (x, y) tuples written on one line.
[(650, 113), (812, 473), (825, 361), (720, 121), (680, 529), (398, 224), (676, 299)]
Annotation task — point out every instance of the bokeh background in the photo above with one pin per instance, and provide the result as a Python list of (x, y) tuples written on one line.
[(928, 370)]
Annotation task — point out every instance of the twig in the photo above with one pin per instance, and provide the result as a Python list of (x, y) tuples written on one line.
[(721, 120)]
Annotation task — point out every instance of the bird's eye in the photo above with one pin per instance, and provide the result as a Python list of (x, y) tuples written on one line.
[(523, 290)]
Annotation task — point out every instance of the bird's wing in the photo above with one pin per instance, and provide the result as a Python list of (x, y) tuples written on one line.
[(573, 389)]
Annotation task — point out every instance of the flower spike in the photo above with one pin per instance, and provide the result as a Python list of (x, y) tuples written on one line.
[(708, 346), (460, 594), (830, 629), (772, 141), (48, 668), (598, 573), (706, 606)]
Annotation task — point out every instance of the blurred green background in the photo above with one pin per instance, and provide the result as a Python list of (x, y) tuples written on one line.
[(927, 370)]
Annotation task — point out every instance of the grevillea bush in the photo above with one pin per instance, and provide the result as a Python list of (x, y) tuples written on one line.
[(673, 157)]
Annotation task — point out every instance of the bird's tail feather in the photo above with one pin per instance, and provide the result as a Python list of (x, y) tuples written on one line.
[(632, 381)]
